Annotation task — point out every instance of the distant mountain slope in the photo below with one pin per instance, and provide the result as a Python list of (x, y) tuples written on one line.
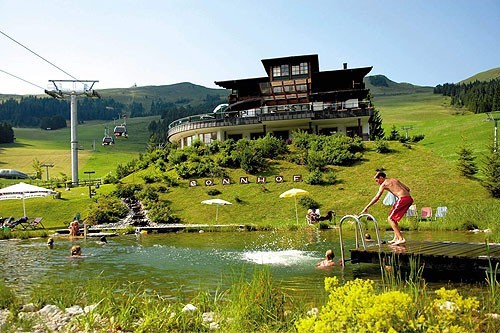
[(380, 85), (180, 93), (488, 75)]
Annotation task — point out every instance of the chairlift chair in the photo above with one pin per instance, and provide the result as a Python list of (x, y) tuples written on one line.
[(120, 131), (107, 139)]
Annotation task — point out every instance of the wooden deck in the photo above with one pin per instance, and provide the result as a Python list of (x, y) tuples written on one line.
[(441, 259), (164, 228)]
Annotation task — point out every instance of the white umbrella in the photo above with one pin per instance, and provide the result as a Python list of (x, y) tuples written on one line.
[(217, 203), (294, 193), (23, 191)]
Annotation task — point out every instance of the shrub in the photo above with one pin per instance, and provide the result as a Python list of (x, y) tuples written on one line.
[(417, 138), (314, 177), (330, 177), (109, 178), (107, 209), (307, 202), (161, 213), (357, 307), (382, 146), (126, 190), (394, 135), (269, 146), (213, 192)]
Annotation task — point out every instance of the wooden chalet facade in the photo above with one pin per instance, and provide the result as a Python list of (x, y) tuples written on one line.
[(294, 95)]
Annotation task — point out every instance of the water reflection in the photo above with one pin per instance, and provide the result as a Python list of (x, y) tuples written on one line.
[(177, 265)]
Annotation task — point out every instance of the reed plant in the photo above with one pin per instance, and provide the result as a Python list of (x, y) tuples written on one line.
[(23, 234), (8, 298), (255, 304)]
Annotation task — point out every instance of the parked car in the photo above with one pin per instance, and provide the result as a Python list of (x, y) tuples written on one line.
[(12, 174)]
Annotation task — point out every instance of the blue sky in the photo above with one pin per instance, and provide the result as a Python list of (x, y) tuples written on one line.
[(124, 42)]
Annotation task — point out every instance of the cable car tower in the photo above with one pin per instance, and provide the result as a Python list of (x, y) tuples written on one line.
[(78, 88), (494, 116)]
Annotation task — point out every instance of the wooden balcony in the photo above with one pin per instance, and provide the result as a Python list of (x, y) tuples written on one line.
[(311, 111)]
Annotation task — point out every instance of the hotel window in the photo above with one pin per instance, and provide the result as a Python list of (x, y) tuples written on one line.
[(281, 71), (278, 89), (209, 137), (300, 70), (304, 68), (285, 70), (276, 71), (289, 89)]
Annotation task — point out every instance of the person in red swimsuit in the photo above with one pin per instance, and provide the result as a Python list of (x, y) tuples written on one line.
[(398, 210)]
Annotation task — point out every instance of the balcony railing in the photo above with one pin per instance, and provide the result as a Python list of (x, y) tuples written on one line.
[(314, 110)]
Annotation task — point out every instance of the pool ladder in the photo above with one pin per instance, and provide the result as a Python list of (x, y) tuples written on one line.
[(359, 232)]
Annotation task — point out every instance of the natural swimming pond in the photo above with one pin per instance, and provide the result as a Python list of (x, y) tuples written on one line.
[(181, 264)]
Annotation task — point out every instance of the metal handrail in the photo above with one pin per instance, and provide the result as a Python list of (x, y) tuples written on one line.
[(358, 232)]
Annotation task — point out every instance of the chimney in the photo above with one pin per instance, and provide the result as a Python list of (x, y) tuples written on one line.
[(345, 65)]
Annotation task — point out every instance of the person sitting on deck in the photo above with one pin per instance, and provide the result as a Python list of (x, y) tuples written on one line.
[(328, 262), (74, 228)]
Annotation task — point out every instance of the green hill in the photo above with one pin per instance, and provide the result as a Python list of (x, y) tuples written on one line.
[(380, 85), (180, 93), (484, 76)]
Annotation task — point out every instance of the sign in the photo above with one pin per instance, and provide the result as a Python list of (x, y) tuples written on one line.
[(244, 180)]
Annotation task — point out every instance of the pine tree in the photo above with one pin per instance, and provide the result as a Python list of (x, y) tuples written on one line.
[(375, 123), (491, 171), (466, 162)]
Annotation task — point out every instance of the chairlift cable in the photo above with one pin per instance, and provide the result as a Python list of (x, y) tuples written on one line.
[(15, 41), (19, 78)]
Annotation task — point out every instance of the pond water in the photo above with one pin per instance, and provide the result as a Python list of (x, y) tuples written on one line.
[(181, 264)]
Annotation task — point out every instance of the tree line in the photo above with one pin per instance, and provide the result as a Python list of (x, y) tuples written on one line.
[(40, 112), (478, 97)]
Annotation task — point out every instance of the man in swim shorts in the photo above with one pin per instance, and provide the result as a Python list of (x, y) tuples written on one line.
[(398, 210)]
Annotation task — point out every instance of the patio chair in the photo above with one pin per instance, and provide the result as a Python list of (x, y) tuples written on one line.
[(426, 213), (441, 211), (412, 212), (312, 216), (36, 222)]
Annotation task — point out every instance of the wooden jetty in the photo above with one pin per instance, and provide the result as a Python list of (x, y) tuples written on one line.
[(450, 260), (162, 228)]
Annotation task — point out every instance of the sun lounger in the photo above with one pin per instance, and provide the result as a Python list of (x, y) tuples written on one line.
[(36, 222), (412, 212), (426, 213), (441, 211)]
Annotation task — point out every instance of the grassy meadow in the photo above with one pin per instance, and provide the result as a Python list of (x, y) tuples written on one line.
[(428, 168)]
